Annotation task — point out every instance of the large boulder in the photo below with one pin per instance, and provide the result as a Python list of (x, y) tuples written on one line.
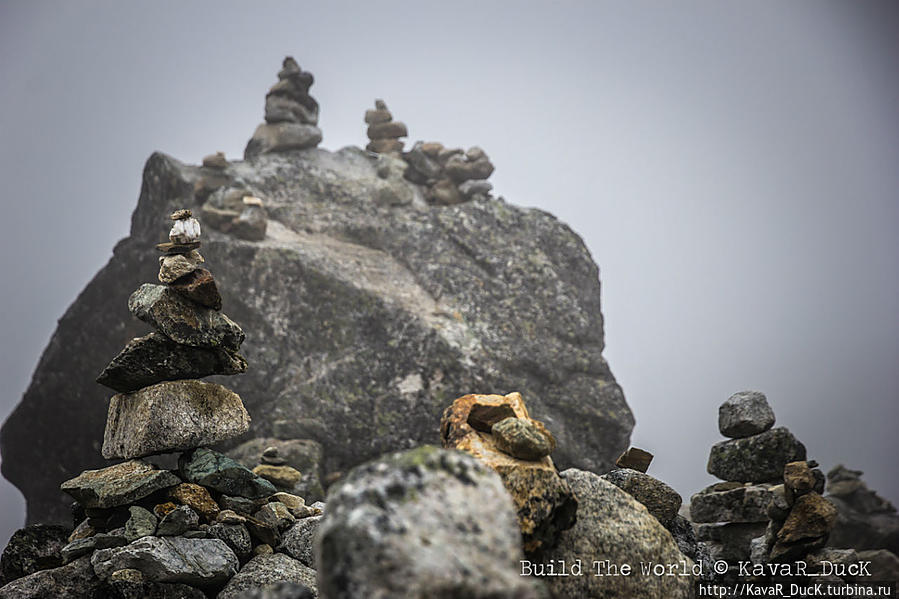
[(422, 523), (614, 528), (480, 295)]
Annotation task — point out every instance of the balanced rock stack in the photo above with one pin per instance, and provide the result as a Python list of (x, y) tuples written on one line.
[(291, 114), (450, 176), (729, 515), (383, 132), (211, 524), (498, 430)]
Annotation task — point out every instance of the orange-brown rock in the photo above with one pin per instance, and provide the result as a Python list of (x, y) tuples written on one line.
[(196, 497), (806, 528), (543, 500)]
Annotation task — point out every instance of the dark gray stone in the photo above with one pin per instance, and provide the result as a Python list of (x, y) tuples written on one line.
[(264, 571), (481, 295), (297, 542), (142, 523), (198, 562), (757, 459), (178, 521), (217, 471), (682, 532), (101, 540), (740, 504), (72, 581), (35, 547), (744, 414), (661, 500), (523, 439), (236, 536)]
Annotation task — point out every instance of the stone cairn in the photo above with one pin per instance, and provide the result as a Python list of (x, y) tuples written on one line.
[(450, 176), (728, 515), (291, 114), (383, 132), (199, 523)]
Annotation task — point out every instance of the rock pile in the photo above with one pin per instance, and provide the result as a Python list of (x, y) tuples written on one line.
[(209, 525), (498, 430), (729, 515), (383, 132), (291, 114), (450, 176), (865, 520)]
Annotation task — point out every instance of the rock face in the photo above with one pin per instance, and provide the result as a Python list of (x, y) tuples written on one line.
[(172, 416), (481, 295), (423, 523), (611, 525)]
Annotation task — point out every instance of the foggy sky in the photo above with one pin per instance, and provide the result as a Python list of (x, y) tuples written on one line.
[(733, 168)]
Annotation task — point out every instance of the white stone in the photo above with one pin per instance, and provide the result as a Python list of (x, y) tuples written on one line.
[(186, 230)]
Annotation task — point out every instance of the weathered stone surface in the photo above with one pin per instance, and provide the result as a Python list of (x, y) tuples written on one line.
[(729, 542), (391, 130), (172, 416), (177, 522), (798, 478), (142, 523), (250, 225), (183, 321), (884, 564), (759, 458), (298, 541), (739, 504), (383, 146), (280, 108), (482, 295), (120, 484), (275, 514), (265, 571), (198, 562), (461, 169), (661, 500), (403, 526), (635, 459), (173, 267), (75, 580), (682, 532), (863, 530), (198, 498), (524, 439), (282, 137), (744, 414), (80, 547), (35, 547), (217, 471), (612, 525), (236, 536), (544, 503), (283, 477), (376, 116), (199, 286), (280, 590), (155, 358), (811, 518)]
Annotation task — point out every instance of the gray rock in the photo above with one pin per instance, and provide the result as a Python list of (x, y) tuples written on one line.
[(283, 109), (422, 164), (155, 358), (744, 414), (144, 589), (406, 525), (522, 438), (174, 266), (863, 530), (198, 562), (739, 504), (172, 416), (275, 514), (142, 523), (470, 189), (236, 536), (481, 295), (241, 505), (884, 564), (250, 225), (264, 571), (660, 499), (612, 525), (297, 542), (282, 137), (759, 458), (217, 471), (72, 581), (729, 542), (682, 532), (35, 547), (178, 521), (120, 484), (182, 320), (279, 590), (80, 547)]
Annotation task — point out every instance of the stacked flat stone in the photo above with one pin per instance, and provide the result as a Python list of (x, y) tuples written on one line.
[(383, 132), (450, 176), (211, 523), (291, 114), (729, 515)]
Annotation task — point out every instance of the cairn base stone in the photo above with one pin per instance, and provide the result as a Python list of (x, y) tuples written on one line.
[(172, 416), (281, 137)]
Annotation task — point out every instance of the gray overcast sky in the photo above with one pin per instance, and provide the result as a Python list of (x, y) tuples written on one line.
[(733, 167)]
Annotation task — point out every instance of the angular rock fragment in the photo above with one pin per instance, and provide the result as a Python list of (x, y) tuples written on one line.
[(172, 416), (121, 484), (297, 541), (522, 438), (198, 498), (635, 459), (236, 536), (142, 523), (198, 562), (199, 286), (744, 414), (719, 503), (177, 522), (76, 579), (175, 266), (35, 547), (267, 571), (759, 458), (661, 500), (217, 471), (283, 477)]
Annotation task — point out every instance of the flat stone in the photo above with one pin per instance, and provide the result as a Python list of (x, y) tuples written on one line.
[(297, 542), (236, 536), (219, 219), (460, 169), (230, 517), (391, 130), (282, 137), (199, 286), (242, 505), (217, 471), (284, 477), (739, 504), (281, 108), (198, 498), (175, 266), (170, 247), (142, 523), (264, 571), (635, 459), (80, 547), (155, 358), (759, 458), (183, 321), (744, 414), (198, 562), (729, 542), (385, 146), (523, 438), (116, 485), (216, 160), (661, 500), (172, 416), (289, 500)]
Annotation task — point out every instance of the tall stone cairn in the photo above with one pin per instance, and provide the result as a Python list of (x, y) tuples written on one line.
[(291, 114), (383, 132)]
